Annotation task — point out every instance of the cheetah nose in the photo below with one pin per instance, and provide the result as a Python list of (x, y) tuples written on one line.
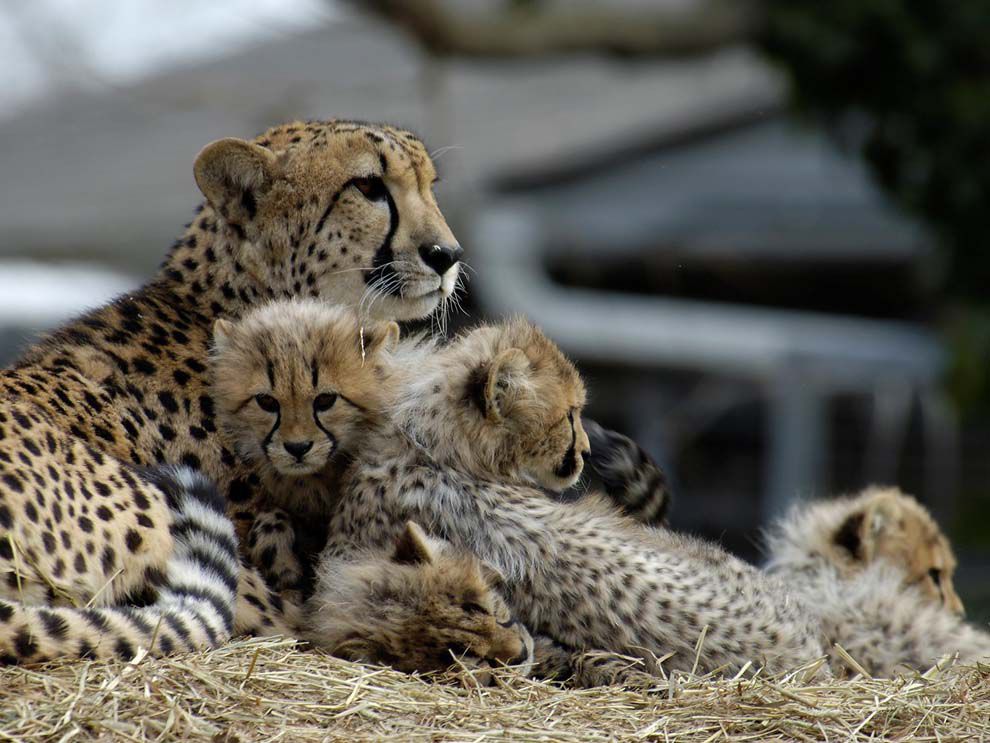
[(298, 449), (440, 257)]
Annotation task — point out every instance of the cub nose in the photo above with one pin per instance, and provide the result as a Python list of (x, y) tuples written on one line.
[(298, 449), (440, 257)]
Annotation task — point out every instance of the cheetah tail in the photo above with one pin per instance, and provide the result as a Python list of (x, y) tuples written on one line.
[(195, 605), (632, 480)]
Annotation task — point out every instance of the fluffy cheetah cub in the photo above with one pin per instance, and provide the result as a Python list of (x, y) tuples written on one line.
[(297, 384), (422, 606), (474, 430), (877, 570)]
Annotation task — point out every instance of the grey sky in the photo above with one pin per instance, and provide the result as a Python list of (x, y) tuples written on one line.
[(47, 46)]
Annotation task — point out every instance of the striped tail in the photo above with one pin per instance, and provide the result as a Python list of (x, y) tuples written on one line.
[(194, 609), (632, 480)]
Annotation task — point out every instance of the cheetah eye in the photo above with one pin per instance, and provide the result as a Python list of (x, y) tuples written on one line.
[(936, 575), (471, 607), (266, 402), (324, 402), (373, 188)]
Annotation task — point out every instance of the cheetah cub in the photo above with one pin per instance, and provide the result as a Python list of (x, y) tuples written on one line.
[(297, 384), (877, 570), (422, 606), (474, 430)]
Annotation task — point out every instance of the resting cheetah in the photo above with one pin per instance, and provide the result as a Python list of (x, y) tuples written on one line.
[(296, 385), (336, 210), (878, 571), (474, 429), (421, 607)]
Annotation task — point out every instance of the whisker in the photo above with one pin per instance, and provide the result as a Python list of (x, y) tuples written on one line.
[(441, 151)]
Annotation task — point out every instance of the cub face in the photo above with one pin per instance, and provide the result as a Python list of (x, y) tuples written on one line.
[(297, 381), (532, 397), (337, 209), (424, 606), (886, 524)]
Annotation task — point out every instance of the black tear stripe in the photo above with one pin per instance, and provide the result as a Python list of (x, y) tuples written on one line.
[(383, 270), (330, 437), (569, 464), (326, 212), (271, 434)]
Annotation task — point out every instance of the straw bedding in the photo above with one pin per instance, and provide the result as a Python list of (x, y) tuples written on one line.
[(271, 689)]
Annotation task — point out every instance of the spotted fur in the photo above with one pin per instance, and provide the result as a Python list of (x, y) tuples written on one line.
[(336, 210), (475, 431), (420, 605), (877, 572), (196, 593), (297, 383), (632, 480)]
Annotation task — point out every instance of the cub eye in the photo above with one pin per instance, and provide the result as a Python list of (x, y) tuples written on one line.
[(324, 402), (471, 607), (266, 402), (373, 188), (936, 575)]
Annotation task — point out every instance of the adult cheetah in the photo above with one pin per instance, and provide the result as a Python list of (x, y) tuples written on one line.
[(338, 210)]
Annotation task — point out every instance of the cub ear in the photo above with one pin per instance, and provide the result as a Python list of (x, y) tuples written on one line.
[(222, 330), (413, 547), (849, 536), (879, 517), (507, 372), (493, 577), (882, 519), (381, 336), (232, 174)]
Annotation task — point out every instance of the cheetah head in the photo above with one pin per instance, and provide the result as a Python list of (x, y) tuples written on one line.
[(518, 405), (424, 606), (337, 209), (886, 524), (296, 381)]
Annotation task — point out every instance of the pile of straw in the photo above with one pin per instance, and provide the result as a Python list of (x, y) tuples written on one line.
[(271, 689)]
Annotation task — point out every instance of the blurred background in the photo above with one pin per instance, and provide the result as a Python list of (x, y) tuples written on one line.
[(756, 225)]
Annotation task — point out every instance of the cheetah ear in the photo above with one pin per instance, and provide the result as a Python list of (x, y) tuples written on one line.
[(849, 536), (413, 546), (232, 174), (882, 517), (506, 373), (222, 330), (861, 530), (382, 336), (494, 577)]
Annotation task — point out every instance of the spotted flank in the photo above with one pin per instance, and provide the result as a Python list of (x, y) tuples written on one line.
[(194, 606), (632, 480)]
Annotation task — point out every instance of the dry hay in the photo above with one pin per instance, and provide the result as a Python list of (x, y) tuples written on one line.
[(270, 689)]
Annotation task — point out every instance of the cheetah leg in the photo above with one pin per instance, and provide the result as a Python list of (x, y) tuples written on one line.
[(263, 611), (270, 547), (588, 669), (632, 480)]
